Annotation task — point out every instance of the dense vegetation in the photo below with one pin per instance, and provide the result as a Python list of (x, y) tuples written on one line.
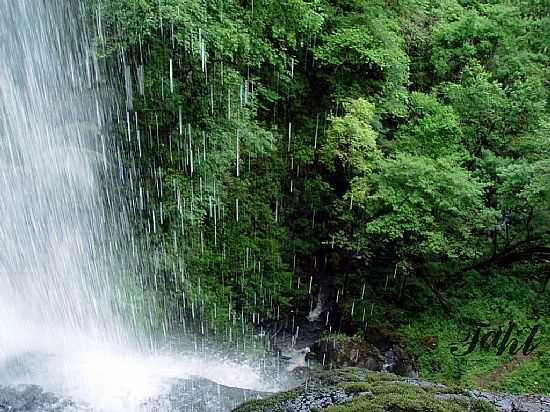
[(391, 156)]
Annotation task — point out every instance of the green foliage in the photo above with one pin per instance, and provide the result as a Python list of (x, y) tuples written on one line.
[(456, 43), (351, 140), (431, 334), (363, 56), (380, 148), (432, 130), (429, 208)]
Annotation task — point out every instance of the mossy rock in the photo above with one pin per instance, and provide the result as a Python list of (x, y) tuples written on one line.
[(354, 390)]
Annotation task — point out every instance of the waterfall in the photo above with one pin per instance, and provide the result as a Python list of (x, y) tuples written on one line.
[(68, 311), (59, 259)]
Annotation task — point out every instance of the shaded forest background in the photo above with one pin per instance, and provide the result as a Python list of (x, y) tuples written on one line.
[(387, 160)]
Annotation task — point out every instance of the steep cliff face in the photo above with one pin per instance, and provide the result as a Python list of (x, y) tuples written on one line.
[(354, 390)]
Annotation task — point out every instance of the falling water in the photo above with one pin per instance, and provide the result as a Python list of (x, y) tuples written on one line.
[(65, 321), (58, 261)]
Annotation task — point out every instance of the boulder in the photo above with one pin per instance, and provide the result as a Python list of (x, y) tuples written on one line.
[(341, 351)]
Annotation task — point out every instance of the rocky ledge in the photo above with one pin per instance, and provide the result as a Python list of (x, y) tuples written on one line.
[(361, 390)]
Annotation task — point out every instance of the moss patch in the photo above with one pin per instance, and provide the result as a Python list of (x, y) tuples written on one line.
[(368, 391)]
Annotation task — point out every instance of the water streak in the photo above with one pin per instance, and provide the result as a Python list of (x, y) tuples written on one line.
[(65, 240), (58, 260)]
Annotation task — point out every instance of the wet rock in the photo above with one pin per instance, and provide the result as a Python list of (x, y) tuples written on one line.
[(291, 340), (504, 402), (315, 400), (189, 395), (300, 375), (295, 359), (380, 351), (342, 352), (346, 351), (287, 335), (397, 361), (31, 398), (515, 403), (200, 395), (362, 390)]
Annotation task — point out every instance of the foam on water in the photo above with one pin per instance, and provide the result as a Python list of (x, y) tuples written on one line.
[(116, 381)]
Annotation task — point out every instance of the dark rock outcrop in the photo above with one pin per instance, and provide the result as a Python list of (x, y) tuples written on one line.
[(346, 351), (349, 352)]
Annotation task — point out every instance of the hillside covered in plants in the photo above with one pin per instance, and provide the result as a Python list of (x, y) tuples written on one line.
[(377, 166)]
